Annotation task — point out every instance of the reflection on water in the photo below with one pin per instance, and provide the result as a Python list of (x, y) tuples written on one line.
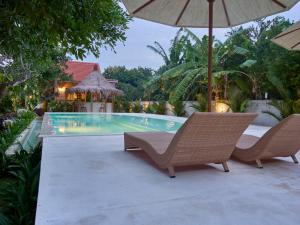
[(107, 124)]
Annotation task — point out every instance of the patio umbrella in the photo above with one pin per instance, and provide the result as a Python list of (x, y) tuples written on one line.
[(290, 38), (205, 13)]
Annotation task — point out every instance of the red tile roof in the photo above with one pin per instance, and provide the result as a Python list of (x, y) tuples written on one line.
[(80, 70)]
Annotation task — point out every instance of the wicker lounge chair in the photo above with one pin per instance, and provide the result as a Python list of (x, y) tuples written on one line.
[(203, 138), (283, 140)]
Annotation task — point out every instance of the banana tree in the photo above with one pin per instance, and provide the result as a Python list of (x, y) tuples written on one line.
[(175, 54), (190, 77)]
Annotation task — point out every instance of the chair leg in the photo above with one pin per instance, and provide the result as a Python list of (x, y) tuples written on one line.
[(225, 166), (294, 159), (259, 164), (171, 172)]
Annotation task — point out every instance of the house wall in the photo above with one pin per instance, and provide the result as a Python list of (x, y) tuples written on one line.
[(98, 107)]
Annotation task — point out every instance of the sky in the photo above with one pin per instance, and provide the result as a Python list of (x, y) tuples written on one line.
[(134, 52)]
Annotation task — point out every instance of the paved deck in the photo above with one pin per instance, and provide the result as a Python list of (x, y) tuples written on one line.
[(91, 181)]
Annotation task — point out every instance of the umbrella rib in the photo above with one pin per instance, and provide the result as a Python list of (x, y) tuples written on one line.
[(226, 13), (182, 11), (294, 46), (279, 3), (281, 35), (142, 6)]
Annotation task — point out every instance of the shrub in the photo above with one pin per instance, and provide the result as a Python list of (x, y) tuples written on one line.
[(178, 108), (20, 112), (237, 100), (118, 105), (201, 105), (137, 107), (6, 104), (157, 108), (8, 136), (126, 106), (18, 194), (60, 106), (149, 109)]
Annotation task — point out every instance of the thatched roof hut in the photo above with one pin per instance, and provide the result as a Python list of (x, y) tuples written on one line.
[(96, 83)]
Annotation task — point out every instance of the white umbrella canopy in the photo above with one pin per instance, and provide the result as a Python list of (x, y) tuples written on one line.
[(194, 13), (290, 38), (205, 13)]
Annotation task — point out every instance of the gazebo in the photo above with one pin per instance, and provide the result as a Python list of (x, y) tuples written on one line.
[(98, 87)]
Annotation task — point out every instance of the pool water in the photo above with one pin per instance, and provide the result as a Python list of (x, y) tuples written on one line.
[(33, 138), (103, 124)]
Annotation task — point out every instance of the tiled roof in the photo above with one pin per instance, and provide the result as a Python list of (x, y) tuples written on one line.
[(80, 70)]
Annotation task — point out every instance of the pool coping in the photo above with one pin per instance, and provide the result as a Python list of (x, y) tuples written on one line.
[(47, 129)]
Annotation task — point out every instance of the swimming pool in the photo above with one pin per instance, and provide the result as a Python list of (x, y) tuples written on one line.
[(64, 124)]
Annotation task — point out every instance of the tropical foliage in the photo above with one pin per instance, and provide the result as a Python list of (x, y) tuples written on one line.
[(35, 27), (19, 188), (201, 105), (178, 108), (156, 108), (131, 81), (36, 38), (137, 107), (36, 35), (61, 106), (8, 136), (245, 66)]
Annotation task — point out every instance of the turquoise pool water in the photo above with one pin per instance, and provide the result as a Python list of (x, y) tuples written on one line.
[(32, 138), (89, 124)]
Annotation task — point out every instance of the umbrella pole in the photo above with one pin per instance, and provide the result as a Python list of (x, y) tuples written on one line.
[(210, 50)]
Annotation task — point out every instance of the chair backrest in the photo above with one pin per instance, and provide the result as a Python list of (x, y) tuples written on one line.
[(208, 137), (282, 139)]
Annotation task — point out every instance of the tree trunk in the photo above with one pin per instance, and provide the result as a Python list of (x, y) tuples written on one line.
[(225, 86), (2, 91)]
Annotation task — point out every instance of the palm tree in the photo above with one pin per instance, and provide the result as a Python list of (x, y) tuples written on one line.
[(190, 77), (158, 49), (174, 55), (187, 75)]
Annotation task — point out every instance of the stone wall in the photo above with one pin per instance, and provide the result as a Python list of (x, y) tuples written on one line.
[(264, 119)]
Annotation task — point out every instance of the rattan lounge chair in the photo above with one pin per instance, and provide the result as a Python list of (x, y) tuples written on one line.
[(203, 138), (283, 140)]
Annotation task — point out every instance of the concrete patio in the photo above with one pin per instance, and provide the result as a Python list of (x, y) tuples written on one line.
[(90, 180)]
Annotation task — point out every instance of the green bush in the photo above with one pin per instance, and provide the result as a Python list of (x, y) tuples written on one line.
[(8, 136), (126, 106), (157, 108), (137, 107), (118, 105), (61, 106), (178, 108), (149, 109), (121, 105), (201, 105), (6, 104), (19, 190), (237, 100)]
